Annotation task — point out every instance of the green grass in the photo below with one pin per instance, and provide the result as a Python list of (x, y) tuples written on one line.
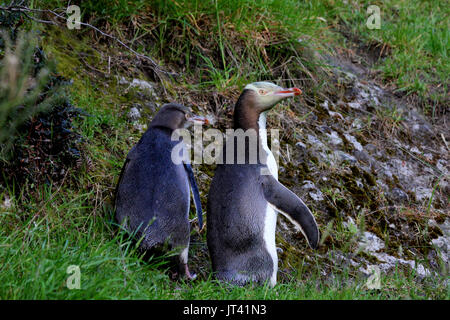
[(417, 33), (65, 231), (246, 37), (220, 46)]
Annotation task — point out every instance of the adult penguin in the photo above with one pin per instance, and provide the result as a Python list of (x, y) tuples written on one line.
[(244, 197), (152, 195)]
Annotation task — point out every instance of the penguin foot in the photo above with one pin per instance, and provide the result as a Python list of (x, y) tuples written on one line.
[(183, 271), (173, 275), (189, 276)]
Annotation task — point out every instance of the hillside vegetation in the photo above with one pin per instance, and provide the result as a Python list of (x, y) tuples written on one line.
[(366, 146)]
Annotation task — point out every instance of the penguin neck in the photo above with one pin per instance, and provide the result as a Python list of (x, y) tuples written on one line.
[(167, 121), (246, 115)]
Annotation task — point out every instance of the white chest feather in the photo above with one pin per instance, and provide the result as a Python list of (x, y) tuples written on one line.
[(271, 163), (270, 219), (270, 224)]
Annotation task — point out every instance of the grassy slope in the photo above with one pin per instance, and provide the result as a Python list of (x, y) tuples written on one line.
[(416, 36), (72, 223)]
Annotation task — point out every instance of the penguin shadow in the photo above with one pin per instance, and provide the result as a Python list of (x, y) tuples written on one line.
[(168, 257), (160, 257), (200, 264), (199, 259)]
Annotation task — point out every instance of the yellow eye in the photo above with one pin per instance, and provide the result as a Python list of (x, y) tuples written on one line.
[(262, 92)]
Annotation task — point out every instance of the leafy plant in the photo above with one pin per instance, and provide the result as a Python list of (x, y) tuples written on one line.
[(36, 137), (21, 86)]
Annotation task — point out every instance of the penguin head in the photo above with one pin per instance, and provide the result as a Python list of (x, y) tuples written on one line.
[(176, 116), (266, 95)]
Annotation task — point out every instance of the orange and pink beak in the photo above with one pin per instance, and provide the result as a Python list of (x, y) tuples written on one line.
[(198, 119), (291, 92)]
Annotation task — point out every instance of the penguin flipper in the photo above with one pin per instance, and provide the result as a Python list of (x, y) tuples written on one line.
[(289, 204), (195, 193)]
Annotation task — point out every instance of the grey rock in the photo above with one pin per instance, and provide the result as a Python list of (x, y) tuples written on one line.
[(359, 183), (334, 138), (422, 129), (390, 262), (443, 166), (152, 106), (140, 127), (142, 84), (398, 196), (370, 148), (341, 259), (315, 143), (342, 156), (301, 145), (308, 185), (355, 105), (315, 192), (353, 141), (363, 156), (134, 114), (357, 123), (316, 195), (370, 243), (423, 193), (123, 80), (442, 243)]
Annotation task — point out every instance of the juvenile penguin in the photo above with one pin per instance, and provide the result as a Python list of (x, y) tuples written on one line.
[(152, 195), (243, 199)]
